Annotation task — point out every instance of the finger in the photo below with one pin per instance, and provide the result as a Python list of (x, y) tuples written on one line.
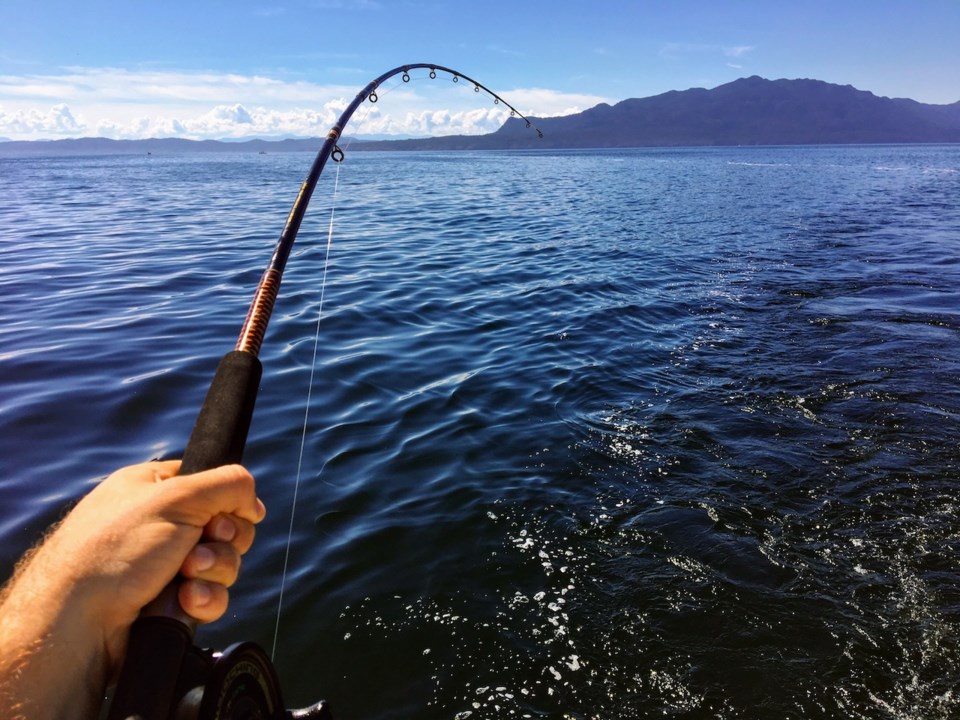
[(231, 529), (164, 469), (213, 562), (146, 473), (204, 601), (233, 487), (227, 489)]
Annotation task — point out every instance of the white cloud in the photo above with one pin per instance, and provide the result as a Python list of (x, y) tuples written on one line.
[(129, 104), (113, 84), (57, 121), (738, 51), (675, 50), (549, 103)]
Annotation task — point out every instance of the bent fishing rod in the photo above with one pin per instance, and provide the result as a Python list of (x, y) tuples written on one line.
[(164, 675)]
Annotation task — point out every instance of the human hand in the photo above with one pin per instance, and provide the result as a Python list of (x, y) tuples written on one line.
[(142, 526), (73, 602)]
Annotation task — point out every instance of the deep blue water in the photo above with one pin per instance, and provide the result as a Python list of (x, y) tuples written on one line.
[(612, 434)]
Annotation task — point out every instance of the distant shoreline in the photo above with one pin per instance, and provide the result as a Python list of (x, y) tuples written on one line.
[(178, 146), (107, 146), (747, 112)]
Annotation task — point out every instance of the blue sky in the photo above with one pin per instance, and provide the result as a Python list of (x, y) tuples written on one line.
[(218, 69)]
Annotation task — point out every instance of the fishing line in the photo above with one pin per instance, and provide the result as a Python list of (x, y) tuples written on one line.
[(364, 111), (306, 413), (337, 155)]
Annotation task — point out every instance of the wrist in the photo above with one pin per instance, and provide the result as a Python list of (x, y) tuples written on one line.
[(52, 658)]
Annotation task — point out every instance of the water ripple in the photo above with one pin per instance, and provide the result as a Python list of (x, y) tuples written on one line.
[(593, 434)]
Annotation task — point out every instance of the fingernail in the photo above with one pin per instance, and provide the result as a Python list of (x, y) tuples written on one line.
[(224, 530), (204, 557), (201, 593)]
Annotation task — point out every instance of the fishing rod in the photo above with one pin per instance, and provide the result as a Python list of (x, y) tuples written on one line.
[(164, 675)]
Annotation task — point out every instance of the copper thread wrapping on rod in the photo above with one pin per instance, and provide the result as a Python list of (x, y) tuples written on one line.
[(255, 326)]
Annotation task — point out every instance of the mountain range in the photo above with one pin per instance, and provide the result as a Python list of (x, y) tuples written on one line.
[(749, 111)]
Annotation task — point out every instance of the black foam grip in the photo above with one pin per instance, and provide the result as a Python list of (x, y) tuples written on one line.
[(221, 429), (161, 637)]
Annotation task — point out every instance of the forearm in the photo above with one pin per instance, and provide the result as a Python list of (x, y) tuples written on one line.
[(51, 662)]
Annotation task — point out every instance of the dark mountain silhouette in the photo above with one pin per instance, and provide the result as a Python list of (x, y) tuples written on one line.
[(749, 111)]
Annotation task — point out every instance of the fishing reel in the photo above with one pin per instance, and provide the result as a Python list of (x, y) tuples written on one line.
[(238, 684)]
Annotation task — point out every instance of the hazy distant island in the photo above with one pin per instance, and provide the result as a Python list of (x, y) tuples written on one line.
[(749, 111)]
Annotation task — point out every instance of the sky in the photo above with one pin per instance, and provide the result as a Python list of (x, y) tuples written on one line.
[(234, 69)]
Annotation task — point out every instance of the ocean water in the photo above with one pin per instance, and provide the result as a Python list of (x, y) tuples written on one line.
[(615, 434)]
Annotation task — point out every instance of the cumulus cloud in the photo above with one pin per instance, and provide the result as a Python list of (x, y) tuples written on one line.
[(126, 104), (57, 120), (221, 122)]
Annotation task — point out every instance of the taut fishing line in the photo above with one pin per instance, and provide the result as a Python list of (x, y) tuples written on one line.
[(383, 92), (165, 676), (306, 410), (306, 413)]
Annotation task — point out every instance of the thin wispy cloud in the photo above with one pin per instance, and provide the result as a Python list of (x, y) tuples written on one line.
[(732, 55), (738, 51), (676, 50)]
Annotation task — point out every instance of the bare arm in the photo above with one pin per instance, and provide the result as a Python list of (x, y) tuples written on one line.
[(66, 614)]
